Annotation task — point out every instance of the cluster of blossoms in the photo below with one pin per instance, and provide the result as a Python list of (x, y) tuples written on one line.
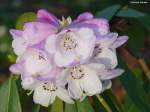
[(68, 59)]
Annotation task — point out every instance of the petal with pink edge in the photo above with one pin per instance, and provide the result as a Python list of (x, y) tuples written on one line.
[(35, 32), (84, 16), (19, 46), (50, 45), (15, 33), (110, 74), (120, 41), (45, 16), (103, 25), (16, 68)]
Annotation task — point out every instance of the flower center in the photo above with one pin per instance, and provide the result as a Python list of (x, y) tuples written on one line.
[(49, 87), (68, 43), (36, 63), (77, 72)]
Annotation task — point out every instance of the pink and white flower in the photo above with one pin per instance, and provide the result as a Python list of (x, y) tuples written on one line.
[(33, 33), (68, 59), (71, 46)]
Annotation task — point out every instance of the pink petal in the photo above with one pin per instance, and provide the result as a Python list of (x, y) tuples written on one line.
[(120, 41), (16, 68), (63, 60), (15, 33), (103, 25), (50, 45), (83, 16), (45, 16), (107, 57), (110, 74), (35, 32), (19, 46)]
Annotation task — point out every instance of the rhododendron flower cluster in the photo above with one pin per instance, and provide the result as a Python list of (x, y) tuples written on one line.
[(65, 58)]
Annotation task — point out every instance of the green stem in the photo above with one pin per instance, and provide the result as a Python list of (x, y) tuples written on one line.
[(36, 108), (104, 103)]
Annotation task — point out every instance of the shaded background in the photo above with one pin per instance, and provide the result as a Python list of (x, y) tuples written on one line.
[(134, 56)]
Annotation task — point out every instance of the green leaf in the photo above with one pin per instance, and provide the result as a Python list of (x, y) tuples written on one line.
[(57, 106), (84, 106), (70, 108), (109, 12), (112, 101), (134, 88), (12, 58), (36, 108), (136, 35), (26, 17), (129, 12), (9, 97), (129, 106), (145, 21)]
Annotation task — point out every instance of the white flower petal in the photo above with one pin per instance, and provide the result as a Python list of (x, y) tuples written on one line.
[(43, 97), (29, 83), (19, 46), (74, 89), (63, 94), (36, 62), (62, 60), (84, 52), (110, 74), (53, 96), (90, 82), (108, 57), (62, 78), (86, 35), (108, 39), (106, 84), (96, 66), (50, 45), (86, 43)]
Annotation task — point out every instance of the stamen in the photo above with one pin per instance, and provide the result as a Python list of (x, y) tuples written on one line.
[(68, 42), (49, 87), (77, 72), (65, 22), (41, 57)]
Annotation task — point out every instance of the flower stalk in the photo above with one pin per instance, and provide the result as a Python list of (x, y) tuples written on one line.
[(104, 103)]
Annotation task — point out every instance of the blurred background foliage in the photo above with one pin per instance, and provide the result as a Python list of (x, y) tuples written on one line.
[(130, 92)]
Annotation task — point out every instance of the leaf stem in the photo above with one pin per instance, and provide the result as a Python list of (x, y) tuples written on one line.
[(104, 103)]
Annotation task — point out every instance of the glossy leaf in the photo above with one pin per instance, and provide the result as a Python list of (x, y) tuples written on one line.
[(111, 100), (70, 108), (129, 12), (84, 106), (129, 106), (145, 21), (109, 12), (57, 106), (9, 97), (136, 37), (26, 17), (134, 89)]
